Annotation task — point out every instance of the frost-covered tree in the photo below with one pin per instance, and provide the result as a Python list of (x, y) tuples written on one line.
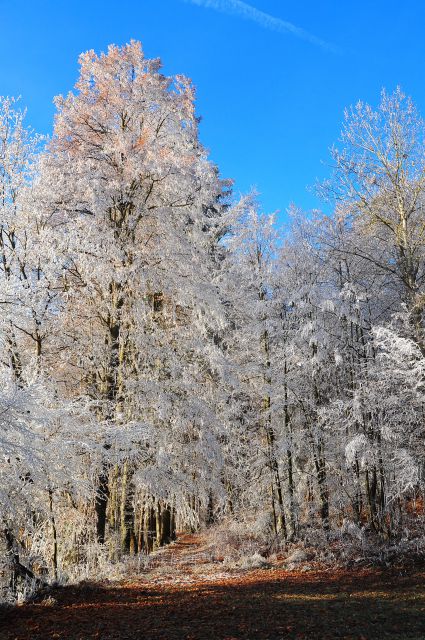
[(132, 201), (378, 189), (250, 281)]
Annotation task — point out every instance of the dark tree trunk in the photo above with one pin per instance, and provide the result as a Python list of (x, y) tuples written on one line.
[(101, 504)]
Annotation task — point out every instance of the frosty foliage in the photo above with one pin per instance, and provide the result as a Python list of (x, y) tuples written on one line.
[(169, 361)]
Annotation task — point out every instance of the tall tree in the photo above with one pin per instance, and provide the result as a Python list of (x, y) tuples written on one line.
[(131, 199)]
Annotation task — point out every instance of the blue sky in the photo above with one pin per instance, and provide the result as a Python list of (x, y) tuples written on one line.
[(272, 78)]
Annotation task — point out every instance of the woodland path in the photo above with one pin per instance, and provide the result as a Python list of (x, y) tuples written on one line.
[(185, 594)]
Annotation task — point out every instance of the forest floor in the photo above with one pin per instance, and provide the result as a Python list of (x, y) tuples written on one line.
[(186, 594)]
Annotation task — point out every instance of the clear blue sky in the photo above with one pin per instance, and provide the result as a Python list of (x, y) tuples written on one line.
[(272, 100)]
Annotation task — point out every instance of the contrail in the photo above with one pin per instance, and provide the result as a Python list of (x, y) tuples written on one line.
[(265, 20)]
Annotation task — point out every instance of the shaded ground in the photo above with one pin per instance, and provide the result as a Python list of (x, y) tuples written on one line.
[(187, 597)]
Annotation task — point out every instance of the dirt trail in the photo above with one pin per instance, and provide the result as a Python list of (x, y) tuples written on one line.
[(186, 594)]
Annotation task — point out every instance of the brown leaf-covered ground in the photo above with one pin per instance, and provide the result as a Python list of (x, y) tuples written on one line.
[(186, 596)]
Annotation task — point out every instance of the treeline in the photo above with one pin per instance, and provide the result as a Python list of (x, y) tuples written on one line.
[(168, 359)]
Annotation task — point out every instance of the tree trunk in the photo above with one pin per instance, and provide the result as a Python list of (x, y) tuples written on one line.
[(101, 504), (55, 536)]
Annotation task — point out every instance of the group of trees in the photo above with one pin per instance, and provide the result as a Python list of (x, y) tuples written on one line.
[(168, 359)]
